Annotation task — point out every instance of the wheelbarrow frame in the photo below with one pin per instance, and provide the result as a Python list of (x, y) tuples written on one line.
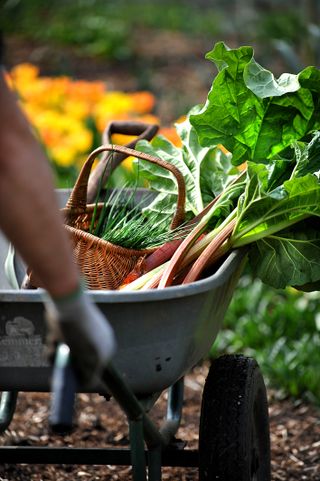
[(162, 449)]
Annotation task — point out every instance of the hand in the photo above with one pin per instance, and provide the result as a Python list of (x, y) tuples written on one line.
[(78, 322)]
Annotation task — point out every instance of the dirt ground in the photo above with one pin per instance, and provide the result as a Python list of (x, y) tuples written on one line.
[(294, 426)]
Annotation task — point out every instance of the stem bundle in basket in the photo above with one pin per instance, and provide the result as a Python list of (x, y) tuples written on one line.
[(123, 223)]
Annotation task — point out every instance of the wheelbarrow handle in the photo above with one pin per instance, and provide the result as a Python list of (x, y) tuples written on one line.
[(140, 129), (63, 388)]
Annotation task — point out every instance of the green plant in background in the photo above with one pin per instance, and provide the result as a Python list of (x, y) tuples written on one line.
[(281, 329), (292, 36), (287, 25), (107, 28), (82, 24), (100, 28)]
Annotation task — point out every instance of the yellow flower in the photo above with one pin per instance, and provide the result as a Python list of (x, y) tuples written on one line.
[(113, 105), (122, 139), (63, 155), (59, 107), (66, 138), (80, 139), (24, 73), (76, 108)]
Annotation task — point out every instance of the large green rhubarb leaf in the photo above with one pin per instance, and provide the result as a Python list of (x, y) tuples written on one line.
[(261, 213), (290, 257), (307, 157), (251, 113), (206, 171)]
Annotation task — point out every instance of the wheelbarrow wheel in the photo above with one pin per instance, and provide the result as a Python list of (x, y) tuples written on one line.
[(234, 439)]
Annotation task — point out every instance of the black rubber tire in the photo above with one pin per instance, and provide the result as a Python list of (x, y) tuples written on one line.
[(234, 438)]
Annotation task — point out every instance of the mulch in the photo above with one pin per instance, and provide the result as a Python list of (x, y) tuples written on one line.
[(294, 426)]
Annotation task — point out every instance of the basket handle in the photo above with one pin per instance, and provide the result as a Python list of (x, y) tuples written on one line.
[(140, 129), (78, 198)]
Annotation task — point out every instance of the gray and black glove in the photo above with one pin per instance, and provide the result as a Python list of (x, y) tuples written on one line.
[(77, 321)]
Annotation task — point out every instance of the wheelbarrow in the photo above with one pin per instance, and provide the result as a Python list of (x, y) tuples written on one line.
[(161, 335)]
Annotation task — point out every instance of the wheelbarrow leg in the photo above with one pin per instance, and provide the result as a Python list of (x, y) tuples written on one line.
[(167, 430), (7, 408), (138, 458), (141, 428), (174, 411), (154, 463)]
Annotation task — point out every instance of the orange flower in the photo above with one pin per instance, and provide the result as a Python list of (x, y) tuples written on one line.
[(147, 118), (59, 109), (24, 72), (143, 102), (122, 139), (171, 134)]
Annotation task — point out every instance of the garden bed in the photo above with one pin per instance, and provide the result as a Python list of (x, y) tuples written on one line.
[(295, 436)]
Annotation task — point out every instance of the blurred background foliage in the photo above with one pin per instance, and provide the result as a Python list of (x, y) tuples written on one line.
[(108, 27), (146, 36), (157, 49), (281, 330)]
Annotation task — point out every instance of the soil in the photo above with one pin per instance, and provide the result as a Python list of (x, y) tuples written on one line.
[(294, 429)]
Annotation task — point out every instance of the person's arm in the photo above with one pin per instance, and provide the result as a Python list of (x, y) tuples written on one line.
[(29, 217), (29, 214)]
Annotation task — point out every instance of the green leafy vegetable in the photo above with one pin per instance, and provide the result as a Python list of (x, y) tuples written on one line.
[(251, 113), (273, 201), (273, 208), (284, 250), (308, 157), (263, 213), (206, 171), (290, 257)]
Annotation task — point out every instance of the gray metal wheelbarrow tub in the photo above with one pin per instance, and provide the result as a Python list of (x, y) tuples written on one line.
[(161, 334)]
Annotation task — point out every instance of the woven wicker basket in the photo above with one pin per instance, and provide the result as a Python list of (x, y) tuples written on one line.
[(103, 264)]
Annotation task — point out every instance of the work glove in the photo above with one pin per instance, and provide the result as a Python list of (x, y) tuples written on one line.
[(77, 321)]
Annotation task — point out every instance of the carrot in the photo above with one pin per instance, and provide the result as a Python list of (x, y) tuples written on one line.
[(158, 257)]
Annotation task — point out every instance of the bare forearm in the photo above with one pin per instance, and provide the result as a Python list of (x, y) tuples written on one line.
[(29, 214)]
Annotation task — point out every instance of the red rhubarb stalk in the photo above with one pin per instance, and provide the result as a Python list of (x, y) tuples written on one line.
[(175, 250), (175, 264), (165, 252), (180, 253), (211, 253)]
